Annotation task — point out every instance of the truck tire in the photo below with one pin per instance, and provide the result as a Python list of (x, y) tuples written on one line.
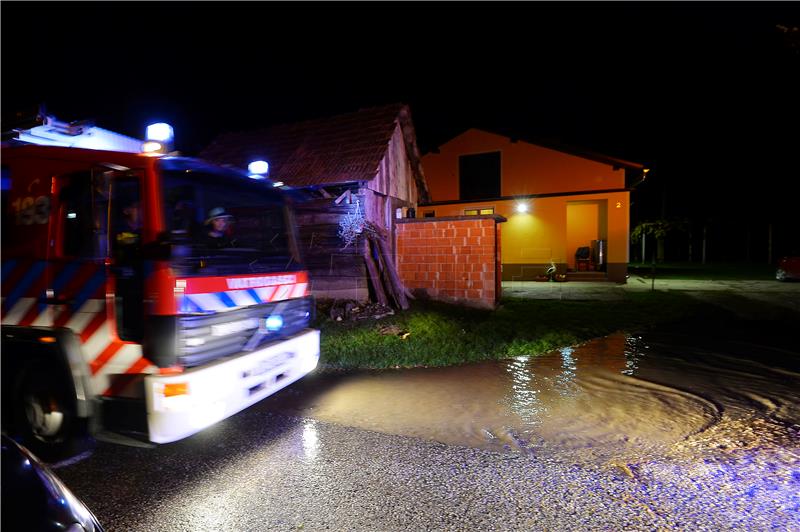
[(45, 413)]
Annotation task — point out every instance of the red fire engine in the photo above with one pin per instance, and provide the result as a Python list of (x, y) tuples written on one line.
[(158, 292)]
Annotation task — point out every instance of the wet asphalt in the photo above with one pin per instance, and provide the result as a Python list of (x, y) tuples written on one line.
[(264, 471)]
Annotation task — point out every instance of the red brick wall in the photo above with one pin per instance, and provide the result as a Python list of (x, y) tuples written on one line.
[(452, 259)]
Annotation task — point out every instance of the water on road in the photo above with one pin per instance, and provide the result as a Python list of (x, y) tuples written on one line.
[(616, 396)]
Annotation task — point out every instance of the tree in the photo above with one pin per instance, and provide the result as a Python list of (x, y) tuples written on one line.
[(659, 229)]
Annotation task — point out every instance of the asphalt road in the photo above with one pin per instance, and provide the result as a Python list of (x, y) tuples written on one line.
[(264, 471), (261, 470)]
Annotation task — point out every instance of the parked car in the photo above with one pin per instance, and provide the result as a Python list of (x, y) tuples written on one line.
[(34, 498), (788, 268)]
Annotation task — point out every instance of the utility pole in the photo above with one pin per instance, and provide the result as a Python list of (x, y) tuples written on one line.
[(644, 257), (705, 234)]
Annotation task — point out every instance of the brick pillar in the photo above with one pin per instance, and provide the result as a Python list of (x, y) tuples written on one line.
[(453, 259)]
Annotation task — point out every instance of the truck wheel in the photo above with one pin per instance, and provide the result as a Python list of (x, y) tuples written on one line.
[(45, 413)]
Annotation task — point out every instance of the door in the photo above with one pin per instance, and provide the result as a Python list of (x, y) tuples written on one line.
[(127, 265)]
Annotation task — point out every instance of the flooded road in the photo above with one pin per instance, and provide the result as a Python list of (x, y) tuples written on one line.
[(659, 432), (618, 397)]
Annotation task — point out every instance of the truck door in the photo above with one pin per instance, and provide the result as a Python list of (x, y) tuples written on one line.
[(100, 224), (77, 290), (126, 217)]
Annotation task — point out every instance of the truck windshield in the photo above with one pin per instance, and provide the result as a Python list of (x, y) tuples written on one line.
[(221, 225)]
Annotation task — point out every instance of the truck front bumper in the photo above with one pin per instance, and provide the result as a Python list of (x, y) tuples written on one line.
[(181, 405)]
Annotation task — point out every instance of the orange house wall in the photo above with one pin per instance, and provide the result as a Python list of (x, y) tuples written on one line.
[(543, 234), (540, 235), (525, 168)]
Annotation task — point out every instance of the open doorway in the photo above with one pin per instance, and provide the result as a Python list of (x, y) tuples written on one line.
[(587, 235)]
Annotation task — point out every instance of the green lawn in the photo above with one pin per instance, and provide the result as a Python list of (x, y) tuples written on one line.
[(437, 334), (713, 271)]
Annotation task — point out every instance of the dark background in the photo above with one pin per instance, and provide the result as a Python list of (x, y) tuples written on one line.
[(705, 94)]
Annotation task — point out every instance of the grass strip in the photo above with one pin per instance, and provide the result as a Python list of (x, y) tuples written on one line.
[(438, 334)]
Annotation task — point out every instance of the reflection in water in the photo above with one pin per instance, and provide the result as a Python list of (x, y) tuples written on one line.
[(633, 352), (617, 392), (310, 440), (524, 401)]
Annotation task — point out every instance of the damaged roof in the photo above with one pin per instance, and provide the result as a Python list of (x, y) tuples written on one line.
[(339, 149)]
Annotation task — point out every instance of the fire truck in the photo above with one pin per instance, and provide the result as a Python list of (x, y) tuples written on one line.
[(120, 312)]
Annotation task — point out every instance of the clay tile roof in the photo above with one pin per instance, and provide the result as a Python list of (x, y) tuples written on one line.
[(337, 149)]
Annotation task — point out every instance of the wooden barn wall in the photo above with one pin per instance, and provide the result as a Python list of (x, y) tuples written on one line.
[(337, 272), (395, 177), (374, 206), (393, 187)]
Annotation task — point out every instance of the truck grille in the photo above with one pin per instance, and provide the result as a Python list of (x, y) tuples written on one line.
[(209, 337)]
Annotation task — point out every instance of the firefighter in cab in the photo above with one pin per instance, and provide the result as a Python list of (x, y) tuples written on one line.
[(220, 229), (130, 233)]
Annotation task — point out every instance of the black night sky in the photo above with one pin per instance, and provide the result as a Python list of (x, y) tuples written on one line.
[(706, 94)]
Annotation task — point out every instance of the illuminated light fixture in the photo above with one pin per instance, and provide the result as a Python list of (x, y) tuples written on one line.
[(256, 176), (522, 207), (160, 132), (152, 147), (258, 167), (273, 323), (72, 215), (277, 184)]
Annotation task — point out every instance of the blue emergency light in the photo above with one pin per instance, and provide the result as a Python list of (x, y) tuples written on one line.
[(160, 132)]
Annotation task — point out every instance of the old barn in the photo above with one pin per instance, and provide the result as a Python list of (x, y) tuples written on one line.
[(350, 171)]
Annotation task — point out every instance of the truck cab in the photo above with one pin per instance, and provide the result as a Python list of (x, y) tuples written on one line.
[(122, 304)]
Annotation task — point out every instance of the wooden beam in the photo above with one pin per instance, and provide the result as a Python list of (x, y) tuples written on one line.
[(374, 277), (345, 194)]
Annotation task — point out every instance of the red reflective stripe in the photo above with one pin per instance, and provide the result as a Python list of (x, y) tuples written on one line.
[(31, 315), (208, 285), (102, 359), (120, 382), (73, 286), (63, 318), (90, 329), (138, 366), (271, 294), (84, 273)]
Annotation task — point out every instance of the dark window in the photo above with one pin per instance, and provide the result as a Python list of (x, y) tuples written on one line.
[(126, 219), (479, 176), (429, 214), (84, 213), (257, 236), (78, 218)]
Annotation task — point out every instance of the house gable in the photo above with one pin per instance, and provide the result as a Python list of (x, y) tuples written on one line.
[(526, 168)]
